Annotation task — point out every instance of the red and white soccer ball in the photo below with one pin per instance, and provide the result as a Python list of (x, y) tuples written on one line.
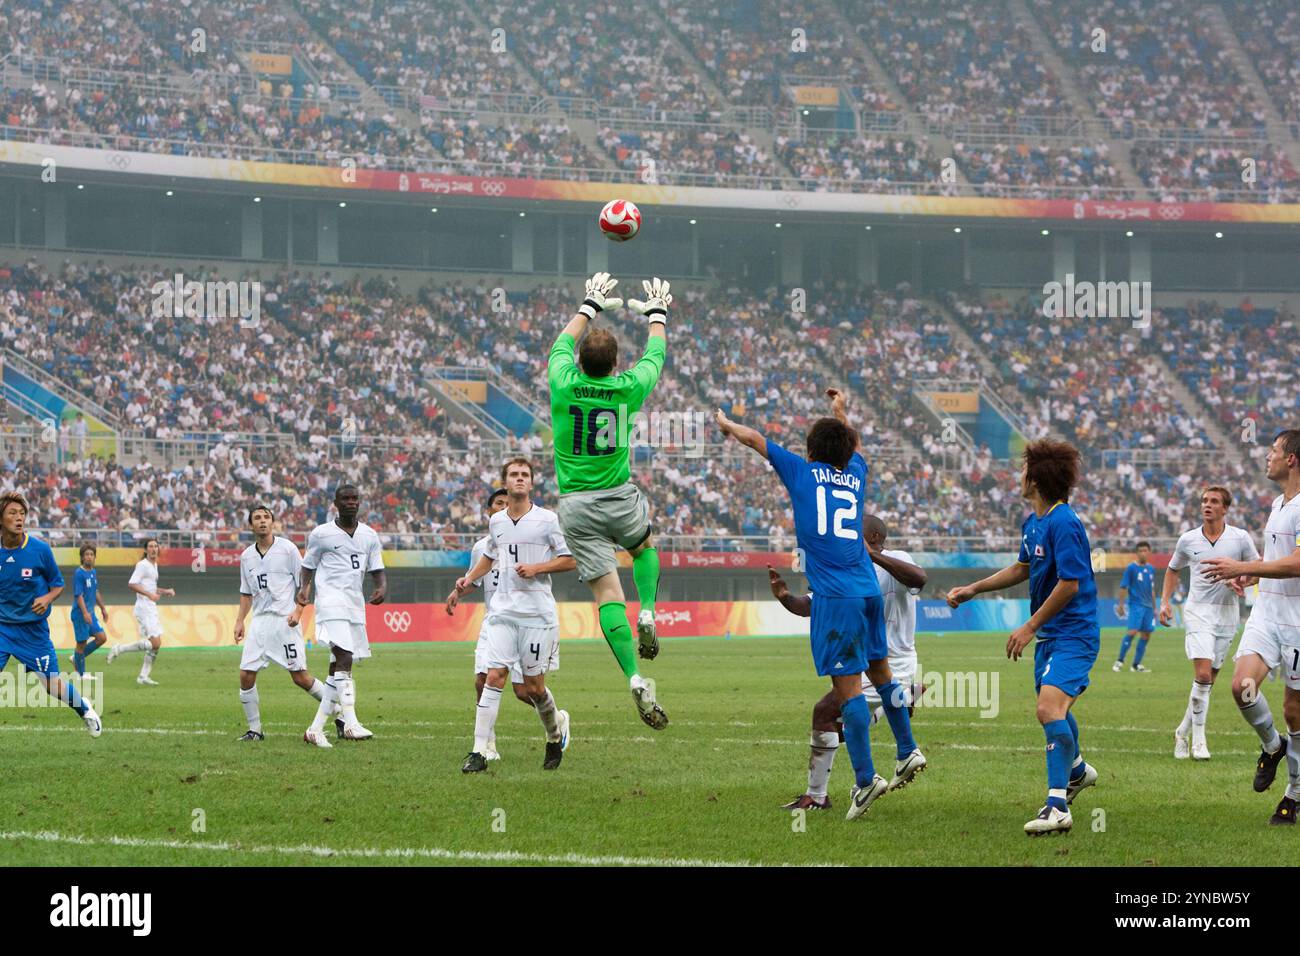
[(620, 220)]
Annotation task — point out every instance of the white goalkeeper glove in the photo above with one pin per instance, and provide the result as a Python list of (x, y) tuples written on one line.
[(655, 307), (598, 299)]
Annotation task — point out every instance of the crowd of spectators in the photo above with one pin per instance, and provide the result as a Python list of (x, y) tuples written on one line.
[(1041, 171), (1193, 172)]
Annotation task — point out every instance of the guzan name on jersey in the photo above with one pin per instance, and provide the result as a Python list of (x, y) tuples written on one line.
[(535, 537), (271, 579), (1212, 599), (1279, 598), (490, 580), (341, 562)]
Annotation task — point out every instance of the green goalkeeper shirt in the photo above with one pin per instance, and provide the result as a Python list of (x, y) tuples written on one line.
[(591, 418)]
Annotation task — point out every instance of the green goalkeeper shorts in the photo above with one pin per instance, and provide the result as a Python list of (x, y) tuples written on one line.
[(595, 523)]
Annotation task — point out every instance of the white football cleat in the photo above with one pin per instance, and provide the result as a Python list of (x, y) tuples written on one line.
[(1181, 750), (647, 642), (318, 738), (112, 653), (860, 798), (906, 770), (146, 681), (1050, 820), (643, 693), (491, 752), (1088, 779), (562, 720), (1199, 750), (356, 732), (93, 723), (1117, 666)]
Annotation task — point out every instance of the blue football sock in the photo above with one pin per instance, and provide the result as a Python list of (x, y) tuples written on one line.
[(1140, 652), (894, 705), (79, 662), (91, 647), (1076, 771), (1060, 754), (1124, 646), (856, 714), (73, 699)]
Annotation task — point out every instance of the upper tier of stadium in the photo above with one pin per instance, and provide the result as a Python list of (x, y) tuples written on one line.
[(1121, 99)]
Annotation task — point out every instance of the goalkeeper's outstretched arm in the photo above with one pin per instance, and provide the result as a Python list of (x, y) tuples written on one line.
[(597, 299), (742, 433)]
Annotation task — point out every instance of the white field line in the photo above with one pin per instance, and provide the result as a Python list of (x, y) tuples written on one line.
[(370, 853)]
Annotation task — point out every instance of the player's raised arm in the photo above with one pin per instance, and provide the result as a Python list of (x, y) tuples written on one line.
[(802, 605), (654, 307), (747, 436), (839, 402), (597, 299)]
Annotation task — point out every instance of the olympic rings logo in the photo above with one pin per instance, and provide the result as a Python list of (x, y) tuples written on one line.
[(494, 188), (398, 621)]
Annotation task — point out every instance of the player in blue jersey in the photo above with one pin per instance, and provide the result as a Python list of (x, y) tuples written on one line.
[(89, 633), (827, 494), (1139, 585), (1056, 561), (30, 581)]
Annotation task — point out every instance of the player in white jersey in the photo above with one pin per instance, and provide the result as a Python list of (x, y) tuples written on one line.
[(1212, 611), (144, 582), (496, 502), (1271, 638), (523, 624), (340, 553), (269, 570), (901, 580)]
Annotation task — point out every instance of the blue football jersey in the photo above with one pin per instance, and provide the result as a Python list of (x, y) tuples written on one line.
[(85, 584), (26, 572), (828, 506), (1139, 579), (1056, 548)]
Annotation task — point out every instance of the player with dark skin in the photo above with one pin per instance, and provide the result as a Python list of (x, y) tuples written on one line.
[(348, 502), (826, 712)]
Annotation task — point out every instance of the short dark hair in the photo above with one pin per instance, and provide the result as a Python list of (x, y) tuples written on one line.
[(1223, 493), (256, 508), (497, 493), (1290, 441), (1053, 467), (831, 442), (346, 486), (871, 524), (86, 547), (1144, 544), (515, 461), (598, 353)]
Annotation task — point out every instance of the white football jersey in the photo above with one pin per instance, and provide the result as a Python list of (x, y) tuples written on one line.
[(145, 575), (490, 580), (341, 562), (533, 538), (1279, 598), (1212, 600), (271, 579), (900, 608)]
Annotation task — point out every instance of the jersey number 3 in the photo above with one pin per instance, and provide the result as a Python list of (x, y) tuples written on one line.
[(847, 513)]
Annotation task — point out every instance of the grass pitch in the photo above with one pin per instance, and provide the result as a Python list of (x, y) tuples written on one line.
[(706, 790)]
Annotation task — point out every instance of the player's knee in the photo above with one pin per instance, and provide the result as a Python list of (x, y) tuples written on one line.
[(524, 695), (1291, 711), (825, 714), (878, 673), (1048, 711), (247, 679), (1243, 689), (496, 679)]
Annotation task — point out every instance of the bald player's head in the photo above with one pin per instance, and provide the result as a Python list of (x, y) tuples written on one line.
[(874, 531)]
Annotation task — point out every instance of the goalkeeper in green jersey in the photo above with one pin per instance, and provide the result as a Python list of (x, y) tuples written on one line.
[(600, 509)]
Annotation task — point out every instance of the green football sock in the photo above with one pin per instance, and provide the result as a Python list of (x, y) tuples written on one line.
[(645, 574), (618, 634)]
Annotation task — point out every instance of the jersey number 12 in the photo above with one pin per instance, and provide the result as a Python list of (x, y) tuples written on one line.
[(847, 513)]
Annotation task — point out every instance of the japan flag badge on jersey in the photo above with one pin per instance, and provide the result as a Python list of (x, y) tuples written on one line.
[(27, 572), (1038, 551)]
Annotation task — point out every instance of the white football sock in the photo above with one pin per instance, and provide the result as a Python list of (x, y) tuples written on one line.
[(1200, 704), (550, 723), (326, 706), (485, 718), (252, 711), (823, 744), (1260, 717), (146, 666), (347, 694), (1293, 766), (317, 689), (143, 645)]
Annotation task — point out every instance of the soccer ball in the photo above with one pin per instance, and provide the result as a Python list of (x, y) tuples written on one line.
[(620, 220)]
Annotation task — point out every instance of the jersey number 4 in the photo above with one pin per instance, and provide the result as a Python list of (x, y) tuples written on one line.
[(594, 428), (847, 513)]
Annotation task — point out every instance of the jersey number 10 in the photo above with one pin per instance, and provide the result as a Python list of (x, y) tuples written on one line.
[(848, 513)]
